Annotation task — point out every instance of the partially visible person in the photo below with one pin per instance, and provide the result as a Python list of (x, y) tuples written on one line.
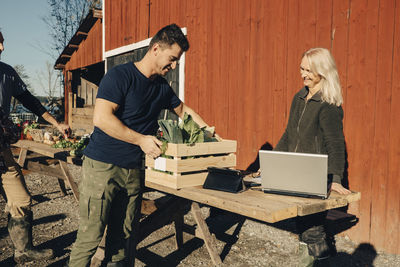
[(315, 126), (129, 101), (18, 198)]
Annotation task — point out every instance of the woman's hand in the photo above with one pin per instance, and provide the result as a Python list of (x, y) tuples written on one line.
[(256, 174), (340, 189)]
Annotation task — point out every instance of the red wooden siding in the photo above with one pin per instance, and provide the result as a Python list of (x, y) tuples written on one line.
[(90, 49), (392, 231), (126, 22), (242, 71)]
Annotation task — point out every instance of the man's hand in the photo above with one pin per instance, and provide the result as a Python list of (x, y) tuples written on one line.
[(64, 129), (150, 145), (340, 189)]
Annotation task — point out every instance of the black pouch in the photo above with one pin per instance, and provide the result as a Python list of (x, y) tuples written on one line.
[(9, 132), (224, 179)]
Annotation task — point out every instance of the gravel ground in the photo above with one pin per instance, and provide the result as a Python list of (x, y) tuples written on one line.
[(240, 241)]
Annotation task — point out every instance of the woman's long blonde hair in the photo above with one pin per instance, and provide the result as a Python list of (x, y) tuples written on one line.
[(322, 63)]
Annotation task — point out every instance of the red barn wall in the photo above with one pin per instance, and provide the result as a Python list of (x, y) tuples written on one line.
[(242, 71)]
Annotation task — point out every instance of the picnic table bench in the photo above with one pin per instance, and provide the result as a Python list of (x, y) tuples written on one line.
[(61, 157)]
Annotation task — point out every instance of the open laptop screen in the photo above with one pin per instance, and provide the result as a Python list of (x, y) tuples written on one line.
[(299, 174)]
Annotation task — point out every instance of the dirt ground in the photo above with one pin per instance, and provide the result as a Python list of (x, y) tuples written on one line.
[(240, 241)]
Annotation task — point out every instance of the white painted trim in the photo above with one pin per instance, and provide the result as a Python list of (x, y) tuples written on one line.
[(182, 78), (127, 48), (103, 32), (141, 44)]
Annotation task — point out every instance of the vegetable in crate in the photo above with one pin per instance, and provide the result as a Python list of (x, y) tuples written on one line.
[(171, 131), (192, 133), (187, 132)]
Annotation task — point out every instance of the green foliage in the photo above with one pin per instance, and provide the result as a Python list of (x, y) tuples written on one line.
[(187, 132), (191, 130), (171, 131), (63, 143), (77, 148), (33, 125)]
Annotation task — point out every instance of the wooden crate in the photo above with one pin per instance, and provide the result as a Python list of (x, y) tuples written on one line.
[(36, 134), (186, 171)]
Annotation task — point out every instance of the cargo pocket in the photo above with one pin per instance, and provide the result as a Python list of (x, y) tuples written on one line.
[(93, 186), (92, 207), (95, 208), (84, 207), (95, 202), (91, 212)]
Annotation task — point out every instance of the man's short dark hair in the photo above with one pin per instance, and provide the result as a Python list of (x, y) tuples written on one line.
[(170, 35)]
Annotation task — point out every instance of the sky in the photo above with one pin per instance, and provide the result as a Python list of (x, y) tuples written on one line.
[(24, 31)]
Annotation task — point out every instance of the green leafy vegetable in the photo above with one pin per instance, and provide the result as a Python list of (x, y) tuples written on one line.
[(33, 125), (187, 132), (171, 131), (77, 148)]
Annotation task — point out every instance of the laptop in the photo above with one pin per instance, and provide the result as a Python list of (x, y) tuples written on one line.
[(295, 174)]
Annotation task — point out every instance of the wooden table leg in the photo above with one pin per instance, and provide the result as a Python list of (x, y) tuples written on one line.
[(178, 224), (22, 157), (205, 233), (61, 183), (70, 179), (159, 218)]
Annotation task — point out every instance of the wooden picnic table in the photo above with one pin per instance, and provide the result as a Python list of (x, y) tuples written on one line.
[(61, 157), (254, 204)]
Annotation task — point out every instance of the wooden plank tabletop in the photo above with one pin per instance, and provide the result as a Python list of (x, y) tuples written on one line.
[(47, 150), (259, 205), (41, 148)]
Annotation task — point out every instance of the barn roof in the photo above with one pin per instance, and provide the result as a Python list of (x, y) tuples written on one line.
[(80, 35)]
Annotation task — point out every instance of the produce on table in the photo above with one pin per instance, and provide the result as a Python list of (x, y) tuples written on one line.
[(78, 147), (48, 138), (27, 126), (63, 143)]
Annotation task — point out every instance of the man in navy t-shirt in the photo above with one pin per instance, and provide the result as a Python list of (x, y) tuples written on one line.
[(129, 100)]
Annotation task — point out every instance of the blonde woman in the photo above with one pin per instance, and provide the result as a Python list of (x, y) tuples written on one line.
[(315, 126)]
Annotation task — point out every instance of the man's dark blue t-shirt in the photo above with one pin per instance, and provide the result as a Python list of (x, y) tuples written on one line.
[(10, 85), (140, 101)]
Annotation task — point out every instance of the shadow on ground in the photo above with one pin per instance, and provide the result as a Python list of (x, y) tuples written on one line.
[(48, 219), (58, 244), (364, 255), (220, 221)]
